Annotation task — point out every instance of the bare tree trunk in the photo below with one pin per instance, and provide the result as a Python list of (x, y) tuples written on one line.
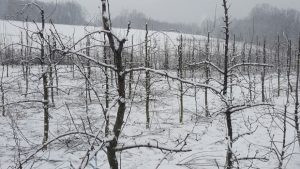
[(111, 152), (45, 82), (106, 89), (297, 96), (263, 74), (26, 60), (207, 76), (112, 77), (229, 154), (7, 73), (231, 78), (226, 59), (218, 52), (193, 58), (283, 148), (229, 162), (289, 64), (244, 57), (249, 71), (89, 70), (131, 66), (22, 55), (2, 93), (166, 64), (278, 65), (51, 73), (72, 62), (147, 65), (257, 52), (56, 78), (55, 66), (180, 75)]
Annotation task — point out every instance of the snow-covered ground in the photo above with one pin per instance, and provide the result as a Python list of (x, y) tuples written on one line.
[(11, 30), (22, 128), (21, 131)]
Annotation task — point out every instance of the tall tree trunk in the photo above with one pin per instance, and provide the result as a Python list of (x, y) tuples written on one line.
[(147, 65), (180, 75), (45, 83), (263, 75), (278, 65), (2, 93), (193, 58), (89, 70), (131, 66), (226, 59), (22, 55), (249, 71), (55, 65), (207, 76), (51, 73), (229, 162), (26, 60), (166, 45), (106, 88), (233, 62), (229, 154), (244, 57), (289, 64), (297, 96), (111, 152)]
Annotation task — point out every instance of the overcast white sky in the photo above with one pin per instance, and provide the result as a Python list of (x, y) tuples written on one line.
[(187, 11)]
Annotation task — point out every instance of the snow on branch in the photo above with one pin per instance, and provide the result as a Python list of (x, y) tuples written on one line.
[(237, 108), (168, 75), (51, 141), (152, 146), (264, 159), (69, 52), (249, 64), (244, 134), (208, 63)]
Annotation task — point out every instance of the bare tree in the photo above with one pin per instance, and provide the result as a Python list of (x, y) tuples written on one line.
[(207, 72), (278, 65), (117, 53), (147, 85), (131, 66), (180, 75), (297, 95), (229, 162), (263, 74), (44, 77)]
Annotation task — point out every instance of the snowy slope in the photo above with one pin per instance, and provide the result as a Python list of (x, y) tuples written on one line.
[(21, 129)]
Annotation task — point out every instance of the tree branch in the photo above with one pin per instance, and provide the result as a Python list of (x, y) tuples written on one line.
[(208, 63), (151, 146), (249, 64), (168, 75)]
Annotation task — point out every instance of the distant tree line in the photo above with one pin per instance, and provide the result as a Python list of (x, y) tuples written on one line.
[(138, 20), (68, 12), (264, 20)]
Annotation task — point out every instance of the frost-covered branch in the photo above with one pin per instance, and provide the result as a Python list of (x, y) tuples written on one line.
[(69, 52), (237, 108), (51, 141), (151, 146), (208, 63), (242, 135), (249, 64), (168, 75)]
